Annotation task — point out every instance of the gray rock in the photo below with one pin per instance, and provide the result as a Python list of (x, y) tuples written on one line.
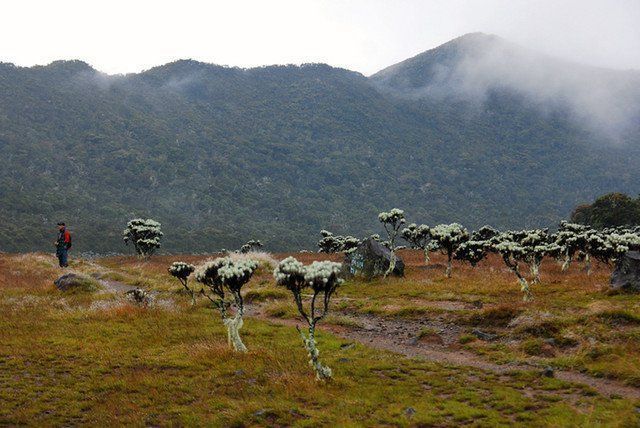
[(409, 412), (73, 282), (548, 372), (369, 260), (484, 336), (626, 276)]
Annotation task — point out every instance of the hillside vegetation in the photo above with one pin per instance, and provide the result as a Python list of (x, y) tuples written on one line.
[(219, 155)]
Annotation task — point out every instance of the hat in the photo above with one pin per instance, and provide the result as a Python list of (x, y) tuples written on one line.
[(61, 223)]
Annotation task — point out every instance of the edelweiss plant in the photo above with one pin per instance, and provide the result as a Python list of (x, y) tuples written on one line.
[(331, 243), (252, 245), (572, 239), (612, 245), (392, 222), (144, 234), (537, 245), (485, 233), (512, 254), (225, 274), (447, 238), (472, 252), (322, 278), (418, 237), (182, 271)]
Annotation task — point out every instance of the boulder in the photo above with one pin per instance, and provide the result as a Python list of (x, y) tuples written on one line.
[(369, 260), (626, 276), (73, 281)]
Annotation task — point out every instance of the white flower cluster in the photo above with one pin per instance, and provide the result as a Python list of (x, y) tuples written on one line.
[(323, 275), (418, 236), (290, 273), (394, 216), (484, 233), (507, 247), (472, 251), (144, 234), (606, 245), (226, 271), (237, 270), (208, 272), (319, 275), (448, 235), (620, 243), (331, 243), (181, 269), (251, 245)]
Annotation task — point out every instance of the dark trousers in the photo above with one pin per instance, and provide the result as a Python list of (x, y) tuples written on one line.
[(62, 257)]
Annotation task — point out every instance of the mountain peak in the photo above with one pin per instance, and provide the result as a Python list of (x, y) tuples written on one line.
[(73, 66), (443, 55)]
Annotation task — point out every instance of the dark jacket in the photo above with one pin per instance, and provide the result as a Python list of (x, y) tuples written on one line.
[(64, 240)]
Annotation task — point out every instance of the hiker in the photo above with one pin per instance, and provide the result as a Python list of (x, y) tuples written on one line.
[(63, 243)]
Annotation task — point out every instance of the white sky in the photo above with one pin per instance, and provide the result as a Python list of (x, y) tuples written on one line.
[(120, 36)]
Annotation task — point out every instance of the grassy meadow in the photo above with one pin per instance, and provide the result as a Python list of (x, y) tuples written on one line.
[(91, 357)]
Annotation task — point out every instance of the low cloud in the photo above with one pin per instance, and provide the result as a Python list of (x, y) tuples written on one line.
[(602, 100)]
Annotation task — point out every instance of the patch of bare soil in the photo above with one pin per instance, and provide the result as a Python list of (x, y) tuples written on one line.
[(116, 286)]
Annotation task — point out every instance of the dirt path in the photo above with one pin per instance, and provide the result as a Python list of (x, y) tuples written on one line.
[(394, 336), (115, 286), (402, 338)]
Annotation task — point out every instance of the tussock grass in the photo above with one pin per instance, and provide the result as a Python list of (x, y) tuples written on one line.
[(92, 359)]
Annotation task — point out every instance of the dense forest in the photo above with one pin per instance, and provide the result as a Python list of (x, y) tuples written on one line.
[(610, 210), (221, 155)]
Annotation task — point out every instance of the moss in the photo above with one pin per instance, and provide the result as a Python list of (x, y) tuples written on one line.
[(619, 317), (544, 328), (499, 316), (532, 347), (264, 294), (466, 338)]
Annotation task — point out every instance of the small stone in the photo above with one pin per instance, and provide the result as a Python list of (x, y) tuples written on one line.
[(548, 372), (239, 372), (347, 346), (344, 360), (259, 412), (550, 341), (409, 412), (72, 281), (484, 336)]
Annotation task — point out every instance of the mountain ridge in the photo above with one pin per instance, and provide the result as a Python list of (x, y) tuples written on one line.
[(221, 155)]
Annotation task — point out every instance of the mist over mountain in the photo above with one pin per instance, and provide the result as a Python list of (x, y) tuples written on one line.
[(473, 66), (475, 131)]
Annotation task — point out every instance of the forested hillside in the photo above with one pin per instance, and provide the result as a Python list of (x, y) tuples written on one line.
[(220, 155)]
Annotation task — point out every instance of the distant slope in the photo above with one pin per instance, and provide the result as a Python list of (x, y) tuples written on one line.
[(475, 66), (221, 155)]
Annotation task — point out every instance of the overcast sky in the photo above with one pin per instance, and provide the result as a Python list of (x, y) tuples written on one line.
[(120, 36)]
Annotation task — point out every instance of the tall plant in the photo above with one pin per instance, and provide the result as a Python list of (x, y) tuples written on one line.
[(392, 222), (226, 275), (323, 279)]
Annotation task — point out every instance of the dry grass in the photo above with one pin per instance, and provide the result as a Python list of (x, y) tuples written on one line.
[(91, 359)]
